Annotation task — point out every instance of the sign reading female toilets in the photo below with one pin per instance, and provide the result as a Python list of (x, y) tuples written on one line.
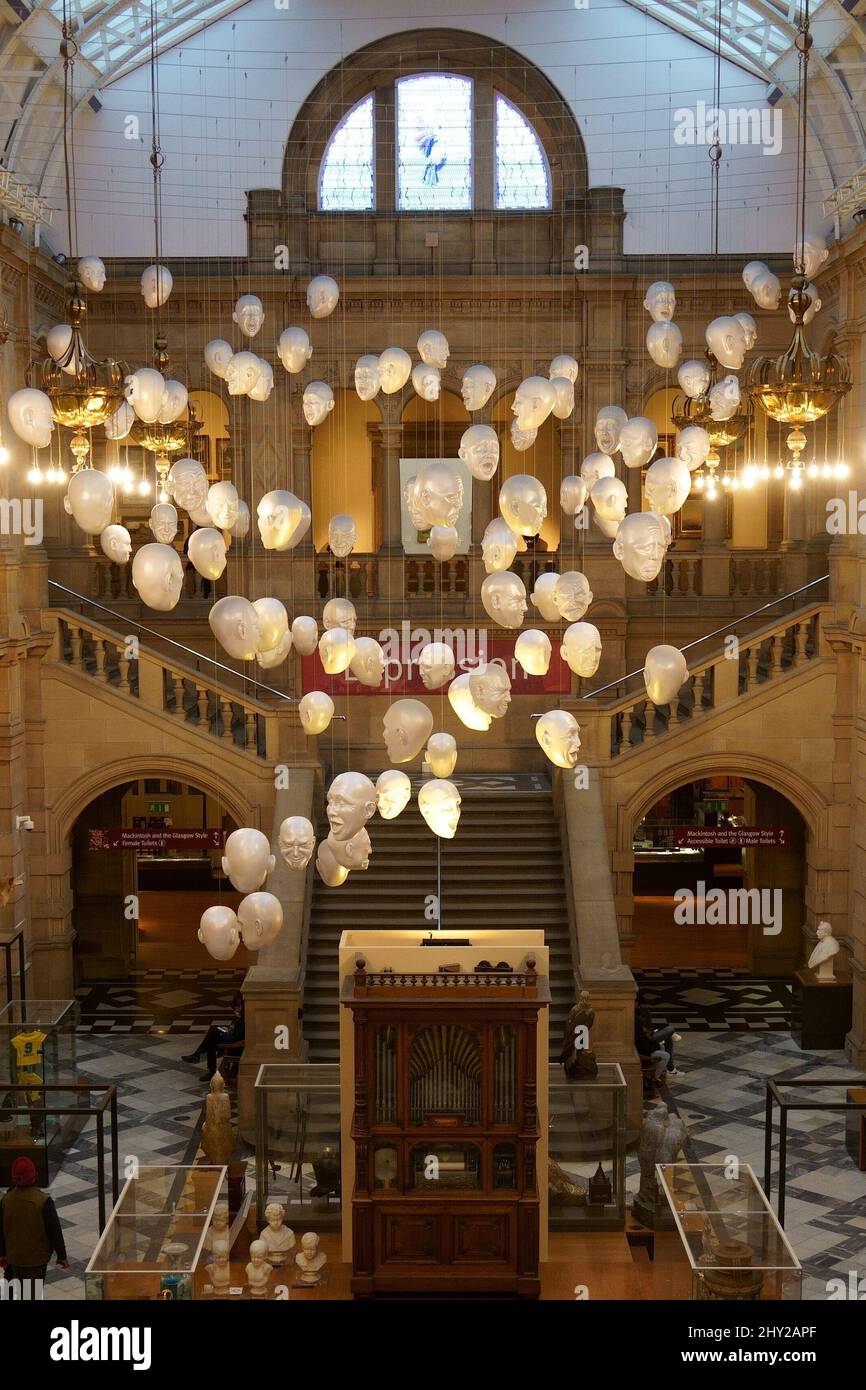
[(403, 647)]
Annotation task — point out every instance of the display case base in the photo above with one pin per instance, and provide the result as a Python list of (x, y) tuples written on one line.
[(821, 1015)]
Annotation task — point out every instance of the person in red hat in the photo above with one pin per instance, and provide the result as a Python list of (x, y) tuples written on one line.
[(30, 1231)]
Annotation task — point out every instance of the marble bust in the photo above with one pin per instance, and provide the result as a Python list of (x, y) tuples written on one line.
[(310, 1259), (277, 1238), (219, 1270), (219, 1226), (821, 959), (258, 1270)]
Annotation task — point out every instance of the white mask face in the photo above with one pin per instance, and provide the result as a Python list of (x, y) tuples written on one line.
[(436, 665), (426, 381), (725, 398), (116, 543), (207, 552), (156, 283), (330, 872), (609, 497), (693, 446), (175, 398), (368, 663), (273, 622), (157, 574), (406, 727), (336, 650), (749, 327), (477, 386), (490, 687), (665, 671), (581, 649), (235, 625), (163, 522), (572, 494), (727, 341), (461, 701), (261, 919), (523, 503), (542, 596), (441, 754), (443, 541), (118, 425), (342, 534), (498, 546), (367, 381), (521, 440), (572, 595), (297, 840), (608, 424), (533, 401), (222, 505), (558, 734), (641, 544), (661, 301), (693, 377), (564, 403), (217, 355), (394, 368), (479, 450), (265, 384), (433, 349), (249, 314), (351, 803), (315, 710), (504, 598), (638, 440), (439, 804), (90, 499), (597, 466), (219, 932), (564, 365), (811, 253), (354, 853), (144, 390), (318, 402), (438, 495), (279, 514), (294, 349), (187, 484), (247, 859), (393, 790), (242, 373), (322, 295), (91, 273), (241, 527), (664, 343), (340, 612), (668, 483), (764, 287), (305, 635), (274, 656), (533, 651)]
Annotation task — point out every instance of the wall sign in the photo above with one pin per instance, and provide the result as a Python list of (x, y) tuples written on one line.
[(731, 837), (148, 841)]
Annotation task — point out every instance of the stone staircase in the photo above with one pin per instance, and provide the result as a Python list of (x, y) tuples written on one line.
[(503, 869)]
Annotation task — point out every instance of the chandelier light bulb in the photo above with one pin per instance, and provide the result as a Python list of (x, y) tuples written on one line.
[(765, 472), (841, 470), (812, 470), (796, 480), (144, 488), (712, 492), (34, 475), (779, 471), (826, 471), (699, 482), (4, 454), (735, 484), (726, 480)]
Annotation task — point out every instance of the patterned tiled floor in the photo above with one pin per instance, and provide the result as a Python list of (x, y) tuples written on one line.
[(706, 1001)]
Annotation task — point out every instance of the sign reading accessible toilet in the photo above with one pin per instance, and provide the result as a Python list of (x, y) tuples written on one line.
[(731, 837), (149, 841)]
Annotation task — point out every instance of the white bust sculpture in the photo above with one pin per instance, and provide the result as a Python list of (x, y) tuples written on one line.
[(439, 804), (294, 349), (336, 650), (221, 505), (406, 727), (305, 635), (441, 754), (572, 494), (297, 840), (219, 1226), (725, 398), (523, 503), (219, 932), (330, 872), (234, 624), (661, 301), (116, 543), (477, 386), (219, 1267), (351, 803), (217, 355), (118, 425), (438, 494), (261, 919), (490, 688), (248, 314), (638, 439), (354, 853), (259, 1270), (693, 377), (91, 273), (609, 497), (393, 790), (270, 657), (175, 399), (273, 623), (764, 287), (277, 1238), (367, 381), (315, 711), (479, 450), (157, 574), (436, 665), (433, 348), (641, 544), (810, 253), (664, 343), (144, 390), (693, 446), (443, 541), (543, 596), (668, 483), (461, 700), (322, 295), (572, 595), (521, 440), (726, 341), (813, 304), (665, 670), (533, 651), (749, 327), (156, 283), (821, 959), (564, 403), (342, 534), (426, 381), (265, 384), (207, 552), (187, 484), (340, 612), (533, 401), (498, 546), (581, 649), (318, 402), (311, 1260), (90, 500), (564, 365), (243, 372), (278, 515), (368, 663), (504, 598), (597, 466), (247, 859), (608, 424), (163, 522), (558, 734), (395, 365)]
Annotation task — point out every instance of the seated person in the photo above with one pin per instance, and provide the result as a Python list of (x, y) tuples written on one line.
[(649, 1042), (218, 1037)]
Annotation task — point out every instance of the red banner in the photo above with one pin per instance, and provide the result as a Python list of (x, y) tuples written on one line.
[(402, 676), (148, 841), (731, 837)]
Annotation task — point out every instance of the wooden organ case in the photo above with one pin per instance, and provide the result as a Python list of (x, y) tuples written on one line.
[(445, 1128)]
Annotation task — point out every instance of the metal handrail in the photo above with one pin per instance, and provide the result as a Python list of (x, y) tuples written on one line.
[(743, 618)]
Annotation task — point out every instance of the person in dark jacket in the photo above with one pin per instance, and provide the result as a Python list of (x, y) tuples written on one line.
[(30, 1231), (656, 1043), (214, 1042)]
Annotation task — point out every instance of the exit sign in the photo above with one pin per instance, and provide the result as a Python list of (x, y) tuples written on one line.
[(157, 808)]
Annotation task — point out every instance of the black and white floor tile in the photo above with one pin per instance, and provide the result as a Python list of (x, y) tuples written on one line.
[(713, 1001)]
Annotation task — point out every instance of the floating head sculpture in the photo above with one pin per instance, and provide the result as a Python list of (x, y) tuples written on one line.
[(318, 402), (443, 541), (558, 734), (395, 365), (664, 343), (273, 621), (336, 650), (305, 635), (91, 273), (665, 671), (294, 349), (207, 552), (247, 859), (543, 595), (533, 651), (504, 598), (235, 625), (144, 390), (187, 484), (163, 522), (351, 803), (442, 754), (638, 440), (439, 804), (219, 932), (433, 348), (436, 665), (368, 663), (597, 466), (533, 401), (523, 503), (564, 365), (693, 446), (261, 918), (297, 840), (315, 710), (248, 314), (581, 649), (367, 381), (490, 688), (340, 612), (609, 497), (661, 301), (217, 355), (116, 543), (693, 377), (462, 702), (477, 386), (498, 546), (157, 574), (222, 503), (641, 544), (393, 790), (726, 341), (572, 494), (479, 450), (322, 295), (406, 727), (608, 424), (426, 381), (90, 500), (572, 595), (156, 283), (668, 483), (764, 287), (342, 534), (279, 514)]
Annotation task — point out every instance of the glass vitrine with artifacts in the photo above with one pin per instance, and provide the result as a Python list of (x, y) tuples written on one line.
[(445, 1128)]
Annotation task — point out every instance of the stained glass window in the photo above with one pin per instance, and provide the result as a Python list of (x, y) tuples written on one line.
[(346, 182), (522, 177), (434, 142)]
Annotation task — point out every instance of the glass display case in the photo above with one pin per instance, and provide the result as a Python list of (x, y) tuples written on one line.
[(728, 1245), (586, 1151), (152, 1245), (298, 1143), (37, 1049)]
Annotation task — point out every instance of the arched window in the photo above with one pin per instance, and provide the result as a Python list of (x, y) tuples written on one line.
[(522, 175), (434, 142), (346, 182)]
